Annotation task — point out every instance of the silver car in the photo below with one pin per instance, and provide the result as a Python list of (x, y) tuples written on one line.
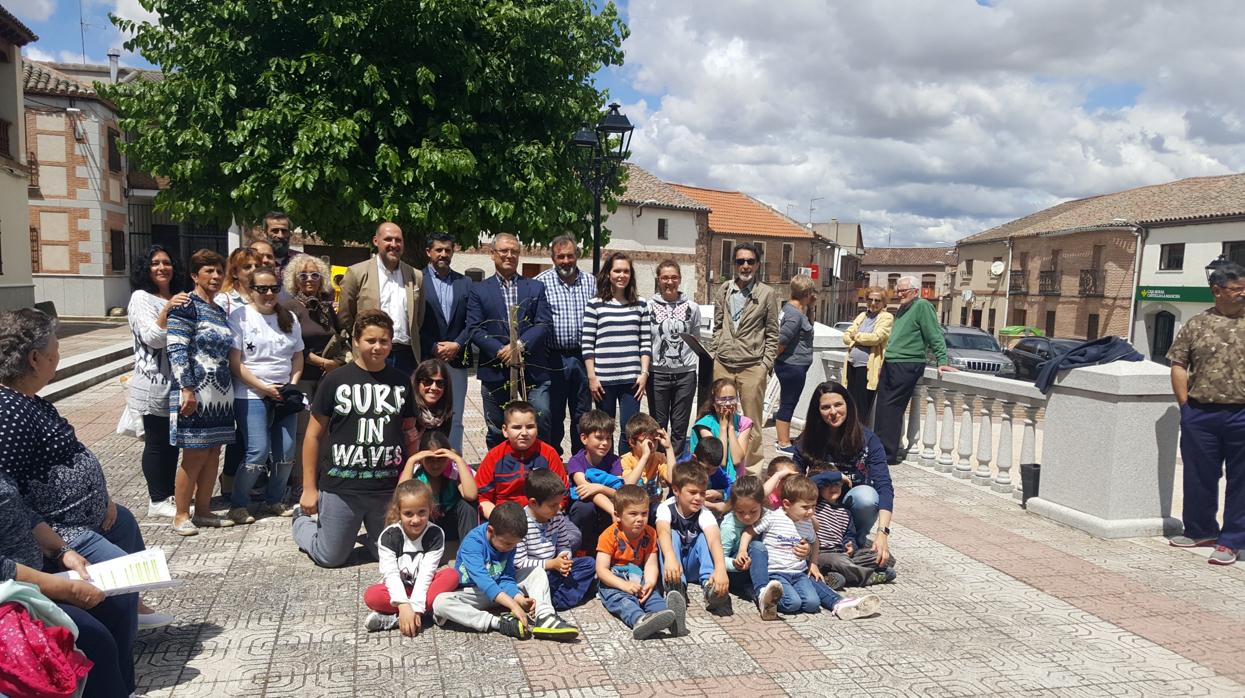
[(972, 349)]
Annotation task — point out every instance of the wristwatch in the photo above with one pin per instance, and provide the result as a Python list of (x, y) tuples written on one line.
[(885, 529)]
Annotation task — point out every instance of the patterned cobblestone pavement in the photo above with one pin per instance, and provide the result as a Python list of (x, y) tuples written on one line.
[(990, 600)]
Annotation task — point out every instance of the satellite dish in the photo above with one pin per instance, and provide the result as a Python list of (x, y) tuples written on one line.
[(966, 295), (996, 269)]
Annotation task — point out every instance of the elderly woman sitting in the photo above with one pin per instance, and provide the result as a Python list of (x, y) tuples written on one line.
[(59, 479)]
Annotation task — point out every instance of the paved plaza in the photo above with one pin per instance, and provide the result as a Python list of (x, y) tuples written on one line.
[(990, 600)]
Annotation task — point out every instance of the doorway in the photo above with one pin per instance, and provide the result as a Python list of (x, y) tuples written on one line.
[(1164, 332)]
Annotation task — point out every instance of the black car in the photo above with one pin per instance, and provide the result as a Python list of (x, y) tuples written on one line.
[(1031, 352)]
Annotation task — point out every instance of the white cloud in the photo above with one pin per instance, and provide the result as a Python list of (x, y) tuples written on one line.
[(131, 9), (34, 53), (931, 121), (33, 10)]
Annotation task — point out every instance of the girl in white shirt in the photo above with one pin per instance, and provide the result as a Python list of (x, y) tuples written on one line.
[(267, 354)]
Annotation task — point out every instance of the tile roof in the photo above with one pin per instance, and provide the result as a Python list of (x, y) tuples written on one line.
[(738, 213), (1192, 199), (644, 188), (908, 256), (12, 29), (42, 79)]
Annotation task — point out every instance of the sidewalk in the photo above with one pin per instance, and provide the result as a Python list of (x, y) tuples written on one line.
[(990, 600)]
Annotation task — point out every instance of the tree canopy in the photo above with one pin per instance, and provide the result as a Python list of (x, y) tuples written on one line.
[(437, 114)]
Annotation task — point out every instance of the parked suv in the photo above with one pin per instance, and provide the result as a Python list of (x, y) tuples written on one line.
[(1031, 352), (972, 349)]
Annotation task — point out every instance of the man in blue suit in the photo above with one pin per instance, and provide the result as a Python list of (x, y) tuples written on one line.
[(444, 333), (488, 321)]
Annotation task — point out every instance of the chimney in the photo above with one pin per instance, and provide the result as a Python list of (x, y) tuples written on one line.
[(114, 57)]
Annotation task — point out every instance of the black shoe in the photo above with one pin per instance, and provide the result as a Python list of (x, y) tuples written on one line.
[(834, 580), (508, 624), (652, 623), (677, 603), (718, 605)]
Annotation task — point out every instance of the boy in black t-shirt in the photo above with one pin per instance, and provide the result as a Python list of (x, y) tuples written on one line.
[(355, 447)]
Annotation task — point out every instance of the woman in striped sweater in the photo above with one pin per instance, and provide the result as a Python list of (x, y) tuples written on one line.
[(617, 342)]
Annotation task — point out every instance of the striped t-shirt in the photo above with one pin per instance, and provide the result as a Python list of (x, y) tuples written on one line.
[(537, 546), (615, 336), (832, 523)]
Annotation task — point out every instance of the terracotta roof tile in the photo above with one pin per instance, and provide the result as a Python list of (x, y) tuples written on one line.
[(42, 79), (907, 256), (644, 188), (1190, 199), (738, 213), (12, 29)]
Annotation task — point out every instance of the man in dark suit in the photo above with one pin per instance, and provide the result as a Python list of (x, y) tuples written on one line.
[(488, 321), (444, 333)]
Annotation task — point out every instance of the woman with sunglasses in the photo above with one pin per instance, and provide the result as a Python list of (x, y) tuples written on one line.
[(866, 346), (434, 402), (306, 282), (267, 353)]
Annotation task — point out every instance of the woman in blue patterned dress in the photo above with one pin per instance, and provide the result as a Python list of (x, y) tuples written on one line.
[(201, 396)]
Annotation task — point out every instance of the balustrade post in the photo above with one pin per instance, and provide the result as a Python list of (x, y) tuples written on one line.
[(929, 433), (1028, 444), (964, 467), (913, 432), (985, 438), (946, 443), (1003, 481)]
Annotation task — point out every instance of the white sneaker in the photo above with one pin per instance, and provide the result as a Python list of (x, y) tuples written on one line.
[(851, 608), (768, 602), (155, 619), (164, 509), (377, 622)]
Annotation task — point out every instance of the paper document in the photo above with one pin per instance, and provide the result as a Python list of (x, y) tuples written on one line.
[(130, 574), (694, 342)]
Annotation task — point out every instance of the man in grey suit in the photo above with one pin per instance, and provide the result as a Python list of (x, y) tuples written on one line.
[(386, 282)]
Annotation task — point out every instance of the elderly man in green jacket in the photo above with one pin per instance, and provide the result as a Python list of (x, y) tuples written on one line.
[(745, 339), (914, 334)]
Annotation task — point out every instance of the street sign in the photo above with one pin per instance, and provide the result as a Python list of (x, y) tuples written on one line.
[(1175, 294)]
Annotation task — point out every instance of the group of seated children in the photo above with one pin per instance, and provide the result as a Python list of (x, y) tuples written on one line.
[(533, 556)]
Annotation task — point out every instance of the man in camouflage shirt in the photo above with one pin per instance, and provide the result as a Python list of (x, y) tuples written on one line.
[(1208, 377)]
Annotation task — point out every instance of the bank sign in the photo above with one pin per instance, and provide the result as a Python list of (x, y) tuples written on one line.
[(1176, 294)]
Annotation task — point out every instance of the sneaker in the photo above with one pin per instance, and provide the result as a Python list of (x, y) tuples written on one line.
[(882, 576), (553, 627), (1187, 542), (854, 607), (1223, 555), (155, 619), (211, 521), (677, 603), (788, 450), (718, 605), (186, 528), (834, 580), (508, 624), (652, 623), (377, 622), (164, 509), (768, 601), (279, 509), (240, 515)]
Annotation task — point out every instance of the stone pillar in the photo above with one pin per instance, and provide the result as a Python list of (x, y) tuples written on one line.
[(929, 433), (1003, 480), (964, 467), (946, 442), (985, 435)]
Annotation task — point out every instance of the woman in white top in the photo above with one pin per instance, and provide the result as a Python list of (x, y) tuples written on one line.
[(267, 354), (158, 286), (234, 294)]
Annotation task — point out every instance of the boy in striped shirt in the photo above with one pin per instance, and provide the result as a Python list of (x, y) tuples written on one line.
[(836, 536), (547, 548)]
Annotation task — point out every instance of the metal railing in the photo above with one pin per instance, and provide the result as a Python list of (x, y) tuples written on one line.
[(1093, 283), (1049, 281), (1018, 284)]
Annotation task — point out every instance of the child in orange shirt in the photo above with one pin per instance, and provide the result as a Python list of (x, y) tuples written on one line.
[(627, 568)]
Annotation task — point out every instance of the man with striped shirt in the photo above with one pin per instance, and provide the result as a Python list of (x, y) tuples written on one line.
[(568, 291)]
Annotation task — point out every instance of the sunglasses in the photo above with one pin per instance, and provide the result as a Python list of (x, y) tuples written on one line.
[(265, 288), (309, 276), (741, 262), (429, 382)]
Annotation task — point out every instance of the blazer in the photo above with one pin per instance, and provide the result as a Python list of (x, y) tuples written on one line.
[(360, 290), (488, 321), (437, 327), (755, 339), (875, 341)]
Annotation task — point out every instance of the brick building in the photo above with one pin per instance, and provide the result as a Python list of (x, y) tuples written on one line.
[(16, 286), (848, 250), (932, 266)]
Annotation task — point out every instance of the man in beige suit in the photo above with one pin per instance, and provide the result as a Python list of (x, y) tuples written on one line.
[(386, 282)]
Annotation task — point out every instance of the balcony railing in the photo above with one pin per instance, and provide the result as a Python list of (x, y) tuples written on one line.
[(827, 279), (1093, 283), (1019, 283), (1048, 282)]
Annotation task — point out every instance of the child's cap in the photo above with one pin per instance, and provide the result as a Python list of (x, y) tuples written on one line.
[(827, 478)]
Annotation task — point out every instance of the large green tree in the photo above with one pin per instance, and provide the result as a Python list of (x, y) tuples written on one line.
[(437, 114)]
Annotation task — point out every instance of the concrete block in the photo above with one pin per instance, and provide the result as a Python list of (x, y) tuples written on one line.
[(54, 258), (53, 226), (91, 268), (52, 181), (50, 122), (1105, 528), (114, 190), (50, 148)]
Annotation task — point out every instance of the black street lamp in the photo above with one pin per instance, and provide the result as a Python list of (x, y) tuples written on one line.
[(603, 149)]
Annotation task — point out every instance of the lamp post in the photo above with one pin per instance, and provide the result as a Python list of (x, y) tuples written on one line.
[(602, 149)]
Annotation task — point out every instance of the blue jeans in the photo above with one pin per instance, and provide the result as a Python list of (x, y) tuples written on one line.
[(106, 636), (695, 558), (790, 385), (862, 502), (803, 594), (568, 391), (619, 401), (495, 395), (267, 440), (749, 583), (122, 539), (627, 607)]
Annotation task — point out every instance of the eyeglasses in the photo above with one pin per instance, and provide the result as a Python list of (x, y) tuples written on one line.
[(265, 288), (309, 276), (507, 253), (875, 300), (740, 261), (903, 291), (429, 382)]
